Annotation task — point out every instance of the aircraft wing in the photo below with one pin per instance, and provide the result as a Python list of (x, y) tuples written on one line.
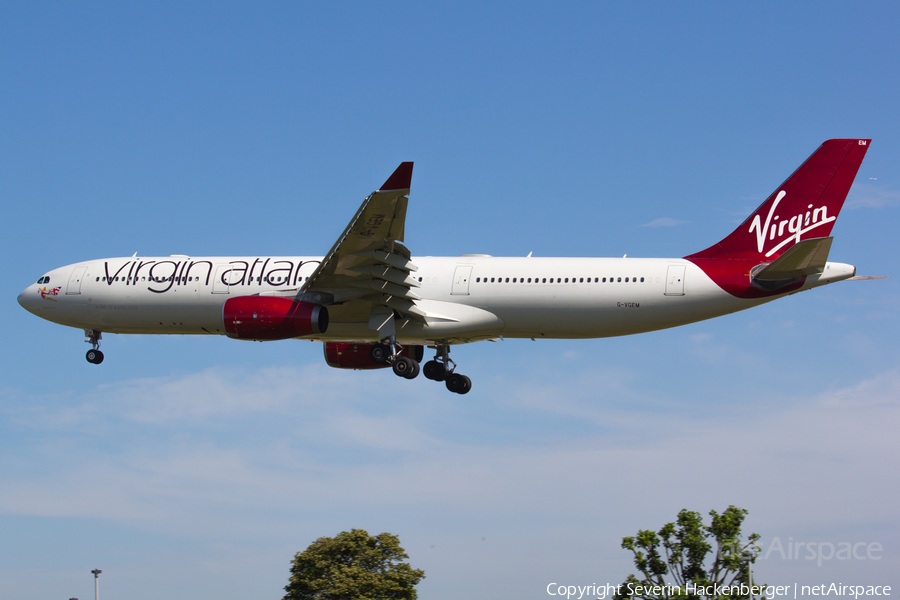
[(368, 262)]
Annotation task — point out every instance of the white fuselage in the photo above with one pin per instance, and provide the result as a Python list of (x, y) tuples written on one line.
[(465, 298)]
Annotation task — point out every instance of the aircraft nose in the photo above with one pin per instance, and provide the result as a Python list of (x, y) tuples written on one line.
[(28, 299)]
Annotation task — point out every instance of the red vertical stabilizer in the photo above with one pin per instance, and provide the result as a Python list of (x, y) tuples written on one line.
[(802, 208)]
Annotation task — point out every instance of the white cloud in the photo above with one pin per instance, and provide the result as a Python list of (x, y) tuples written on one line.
[(664, 222), (252, 458), (408, 458), (865, 195)]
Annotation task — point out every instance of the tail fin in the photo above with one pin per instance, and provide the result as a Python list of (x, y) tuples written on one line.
[(807, 203)]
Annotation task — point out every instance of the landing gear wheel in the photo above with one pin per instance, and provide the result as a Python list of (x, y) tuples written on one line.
[(459, 384), (379, 353), (94, 357), (434, 370), (415, 372), (405, 367)]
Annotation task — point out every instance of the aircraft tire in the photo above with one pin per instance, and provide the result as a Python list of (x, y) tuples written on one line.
[(415, 371), (378, 353), (467, 386), (403, 366), (95, 357), (433, 370), (455, 383)]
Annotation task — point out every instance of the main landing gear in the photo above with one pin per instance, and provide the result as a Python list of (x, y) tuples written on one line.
[(94, 356), (440, 369), (388, 353)]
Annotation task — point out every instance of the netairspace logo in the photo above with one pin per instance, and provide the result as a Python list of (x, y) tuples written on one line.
[(820, 551)]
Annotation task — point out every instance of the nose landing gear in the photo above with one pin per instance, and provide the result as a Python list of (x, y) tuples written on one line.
[(94, 356)]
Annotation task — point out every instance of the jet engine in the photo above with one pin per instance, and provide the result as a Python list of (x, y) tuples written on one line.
[(344, 355), (269, 318)]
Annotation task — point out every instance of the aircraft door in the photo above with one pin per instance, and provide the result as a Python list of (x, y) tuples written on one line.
[(675, 280), (461, 280), (74, 286), (219, 283)]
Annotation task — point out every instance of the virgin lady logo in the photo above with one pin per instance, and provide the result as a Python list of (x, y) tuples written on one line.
[(796, 226), (47, 293)]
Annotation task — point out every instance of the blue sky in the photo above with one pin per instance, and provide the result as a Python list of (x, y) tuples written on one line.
[(195, 467)]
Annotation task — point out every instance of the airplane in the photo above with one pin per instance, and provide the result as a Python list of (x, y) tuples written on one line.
[(374, 305)]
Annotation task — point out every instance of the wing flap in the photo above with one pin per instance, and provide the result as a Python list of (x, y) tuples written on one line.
[(397, 259), (388, 274)]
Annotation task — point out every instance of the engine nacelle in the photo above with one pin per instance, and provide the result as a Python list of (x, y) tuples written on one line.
[(344, 355), (272, 318)]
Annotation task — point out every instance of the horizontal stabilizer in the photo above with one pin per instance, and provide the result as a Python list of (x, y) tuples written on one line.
[(801, 260), (868, 277)]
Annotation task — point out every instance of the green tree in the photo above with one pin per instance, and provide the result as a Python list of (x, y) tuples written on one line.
[(353, 566), (676, 561)]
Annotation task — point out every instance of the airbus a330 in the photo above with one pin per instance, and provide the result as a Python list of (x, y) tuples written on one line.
[(374, 305)]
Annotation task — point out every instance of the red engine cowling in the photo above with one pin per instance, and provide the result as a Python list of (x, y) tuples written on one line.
[(344, 355), (272, 318)]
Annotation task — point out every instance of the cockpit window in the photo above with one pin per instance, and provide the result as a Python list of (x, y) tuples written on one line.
[(43, 280)]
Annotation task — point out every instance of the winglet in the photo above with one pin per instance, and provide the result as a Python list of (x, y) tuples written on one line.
[(400, 179)]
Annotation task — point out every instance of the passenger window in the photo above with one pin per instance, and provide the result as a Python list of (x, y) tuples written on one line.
[(626, 280), (514, 279), (507, 280), (642, 280), (492, 280), (98, 279), (582, 280), (620, 280)]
